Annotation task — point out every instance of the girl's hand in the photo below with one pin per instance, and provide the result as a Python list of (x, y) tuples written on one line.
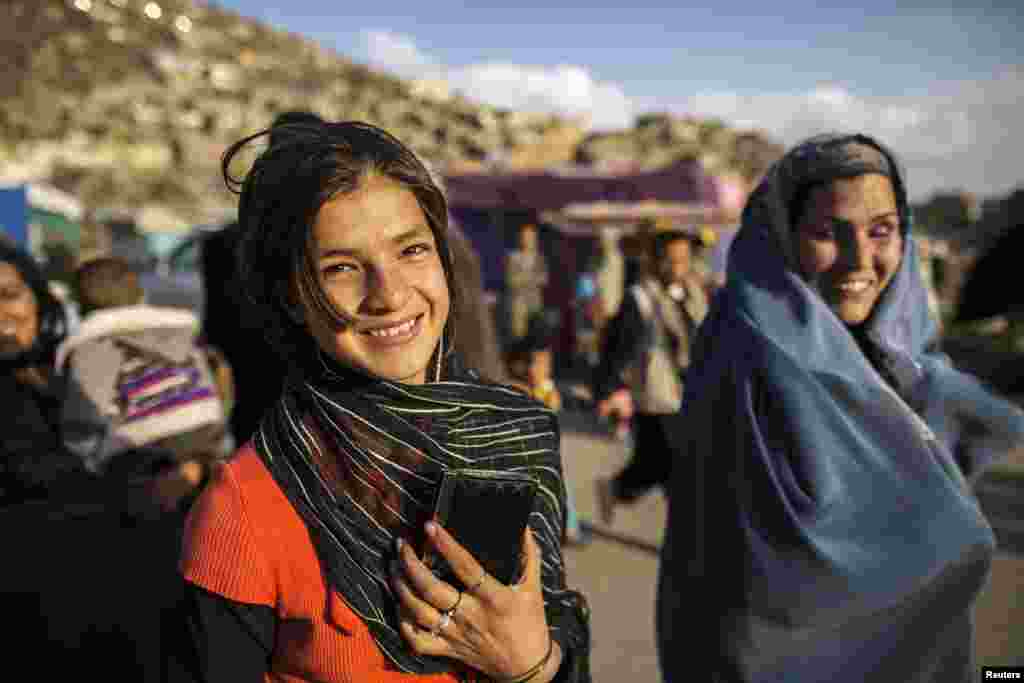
[(499, 630)]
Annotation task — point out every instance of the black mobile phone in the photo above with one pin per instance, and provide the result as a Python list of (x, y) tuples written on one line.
[(487, 513)]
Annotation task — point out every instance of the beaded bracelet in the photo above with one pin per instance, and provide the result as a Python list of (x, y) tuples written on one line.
[(536, 669)]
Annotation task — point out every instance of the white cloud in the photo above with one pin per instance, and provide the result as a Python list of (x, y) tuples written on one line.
[(958, 135), (398, 54), (562, 89)]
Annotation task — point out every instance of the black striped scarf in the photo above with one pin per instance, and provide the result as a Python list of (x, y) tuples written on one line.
[(360, 460)]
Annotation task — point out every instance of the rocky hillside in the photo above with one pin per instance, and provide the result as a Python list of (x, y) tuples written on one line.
[(659, 139), (130, 103)]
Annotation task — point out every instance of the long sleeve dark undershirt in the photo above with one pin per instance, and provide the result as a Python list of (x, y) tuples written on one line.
[(34, 465), (221, 640), (225, 640)]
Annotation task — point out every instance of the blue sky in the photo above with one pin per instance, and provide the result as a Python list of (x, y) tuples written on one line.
[(942, 83)]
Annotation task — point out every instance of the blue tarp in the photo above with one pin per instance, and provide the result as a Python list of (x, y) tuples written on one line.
[(14, 213)]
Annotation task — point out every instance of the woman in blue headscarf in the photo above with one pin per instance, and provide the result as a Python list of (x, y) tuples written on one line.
[(821, 524)]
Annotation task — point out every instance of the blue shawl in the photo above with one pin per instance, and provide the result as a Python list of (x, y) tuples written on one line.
[(821, 524)]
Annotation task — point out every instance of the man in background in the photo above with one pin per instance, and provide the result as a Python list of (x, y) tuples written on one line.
[(645, 354), (526, 276)]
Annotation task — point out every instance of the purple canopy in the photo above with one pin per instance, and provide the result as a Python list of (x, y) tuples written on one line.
[(684, 181)]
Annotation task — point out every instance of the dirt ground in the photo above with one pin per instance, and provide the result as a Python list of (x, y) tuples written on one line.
[(619, 580), (1000, 609)]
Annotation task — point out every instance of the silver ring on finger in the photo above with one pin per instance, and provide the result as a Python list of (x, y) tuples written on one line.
[(446, 618)]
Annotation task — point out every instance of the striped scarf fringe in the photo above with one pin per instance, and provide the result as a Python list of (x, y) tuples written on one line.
[(361, 461)]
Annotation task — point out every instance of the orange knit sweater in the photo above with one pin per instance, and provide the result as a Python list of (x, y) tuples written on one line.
[(246, 542)]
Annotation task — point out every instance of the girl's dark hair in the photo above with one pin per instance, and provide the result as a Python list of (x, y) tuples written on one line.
[(53, 323), (306, 165)]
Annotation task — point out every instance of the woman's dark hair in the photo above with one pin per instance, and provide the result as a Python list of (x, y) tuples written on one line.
[(308, 164), (53, 324), (887, 166), (798, 204)]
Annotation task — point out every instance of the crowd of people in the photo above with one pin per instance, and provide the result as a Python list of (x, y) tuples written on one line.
[(283, 455)]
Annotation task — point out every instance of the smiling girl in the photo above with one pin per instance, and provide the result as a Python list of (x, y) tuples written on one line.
[(301, 554)]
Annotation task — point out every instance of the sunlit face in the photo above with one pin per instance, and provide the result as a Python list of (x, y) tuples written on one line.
[(849, 244), (19, 312), (675, 262), (528, 239), (378, 263)]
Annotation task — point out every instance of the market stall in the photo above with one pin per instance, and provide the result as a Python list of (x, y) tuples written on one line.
[(572, 206)]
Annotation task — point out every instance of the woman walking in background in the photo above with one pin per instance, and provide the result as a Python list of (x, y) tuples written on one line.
[(301, 553), (819, 526)]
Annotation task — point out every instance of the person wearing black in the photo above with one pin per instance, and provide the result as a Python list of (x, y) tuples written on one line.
[(644, 355), (91, 561), (33, 460)]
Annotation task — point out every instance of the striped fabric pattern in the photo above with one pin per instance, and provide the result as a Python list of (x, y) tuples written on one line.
[(361, 460)]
